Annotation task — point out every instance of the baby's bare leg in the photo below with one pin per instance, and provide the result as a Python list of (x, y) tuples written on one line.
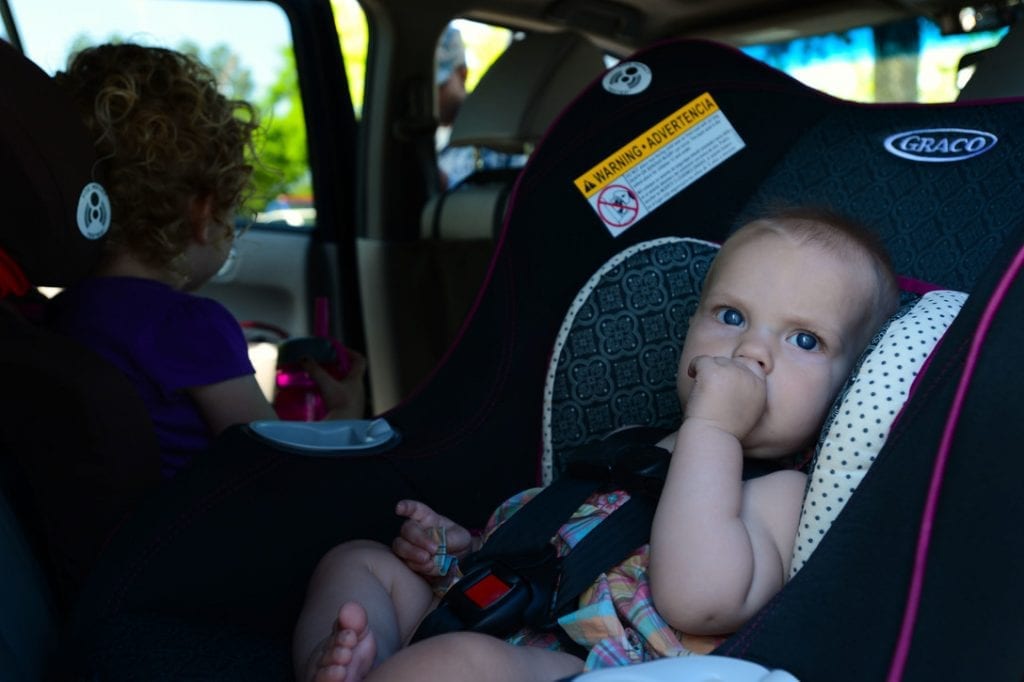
[(380, 594), (472, 657)]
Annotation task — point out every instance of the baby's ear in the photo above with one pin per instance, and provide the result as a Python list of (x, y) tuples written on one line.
[(201, 218)]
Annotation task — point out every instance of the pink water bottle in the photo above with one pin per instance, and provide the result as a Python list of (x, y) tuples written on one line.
[(296, 395)]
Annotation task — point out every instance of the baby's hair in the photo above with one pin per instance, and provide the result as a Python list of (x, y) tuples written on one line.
[(839, 234), (165, 136)]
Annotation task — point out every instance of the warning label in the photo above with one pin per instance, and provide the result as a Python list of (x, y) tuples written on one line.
[(659, 163)]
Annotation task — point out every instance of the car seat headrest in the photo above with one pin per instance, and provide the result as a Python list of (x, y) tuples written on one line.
[(55, 213), (867, 407), (615, 359), (523, 91)]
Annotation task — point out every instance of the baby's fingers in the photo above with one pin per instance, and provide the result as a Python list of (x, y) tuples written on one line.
[(418, 512), (411, 553), (418, 536)]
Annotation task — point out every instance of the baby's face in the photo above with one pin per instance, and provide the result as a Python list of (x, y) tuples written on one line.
[(797, 310)]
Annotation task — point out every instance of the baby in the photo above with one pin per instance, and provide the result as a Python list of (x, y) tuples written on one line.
[(788, 305)]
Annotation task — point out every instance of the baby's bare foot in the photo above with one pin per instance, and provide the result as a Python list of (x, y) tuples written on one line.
[(348, 653)]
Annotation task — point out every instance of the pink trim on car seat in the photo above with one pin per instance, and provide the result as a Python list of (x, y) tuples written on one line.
[(899, 659), (12, 279), (916, 286)]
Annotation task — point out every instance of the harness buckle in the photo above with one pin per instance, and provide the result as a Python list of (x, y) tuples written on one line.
[(498, 597)]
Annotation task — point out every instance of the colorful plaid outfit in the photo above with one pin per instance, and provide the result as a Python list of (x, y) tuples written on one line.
[(616, 621)]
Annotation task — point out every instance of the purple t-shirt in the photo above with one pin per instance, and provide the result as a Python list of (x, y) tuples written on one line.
[(165, 341)]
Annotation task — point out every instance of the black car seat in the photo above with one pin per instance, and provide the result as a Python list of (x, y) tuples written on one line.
[(29, 628), (76, 448), (917, 576)]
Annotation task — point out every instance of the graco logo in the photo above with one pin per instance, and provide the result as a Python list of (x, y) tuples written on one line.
[(940, 145)]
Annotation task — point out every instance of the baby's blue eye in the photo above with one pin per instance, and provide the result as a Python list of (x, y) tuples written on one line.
[(804, 340), (730, 316)]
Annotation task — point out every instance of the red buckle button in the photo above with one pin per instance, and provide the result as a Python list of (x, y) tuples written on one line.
[(487, 590)]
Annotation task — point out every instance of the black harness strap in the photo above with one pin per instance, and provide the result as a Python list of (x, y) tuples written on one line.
[(608, 545), (516, 579), (535, 522), (511, 580)]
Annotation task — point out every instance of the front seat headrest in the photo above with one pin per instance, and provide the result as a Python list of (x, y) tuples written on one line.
[(524, 90), (55, 212)]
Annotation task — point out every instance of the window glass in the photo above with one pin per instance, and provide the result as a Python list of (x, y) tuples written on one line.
[(353, 33), (256, 64), (464, 53), (484, 44), (910, 61)]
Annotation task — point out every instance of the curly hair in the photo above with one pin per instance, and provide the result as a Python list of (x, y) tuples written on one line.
[(165, 136)]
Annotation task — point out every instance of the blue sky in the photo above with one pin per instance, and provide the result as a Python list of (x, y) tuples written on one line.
[(48, 27), (858, 44)]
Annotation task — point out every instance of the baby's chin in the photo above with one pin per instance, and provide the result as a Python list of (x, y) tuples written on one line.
[(768, 440)]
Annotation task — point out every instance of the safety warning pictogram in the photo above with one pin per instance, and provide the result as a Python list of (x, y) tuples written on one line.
[(618, 206)]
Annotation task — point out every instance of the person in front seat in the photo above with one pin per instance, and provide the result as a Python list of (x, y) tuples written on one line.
[(458, 162), (788, 305)]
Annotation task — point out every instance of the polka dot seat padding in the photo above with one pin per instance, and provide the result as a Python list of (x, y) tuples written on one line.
[(617, 352), (860, 419)]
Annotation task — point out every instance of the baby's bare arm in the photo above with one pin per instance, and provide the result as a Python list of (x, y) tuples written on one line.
[(719, 548)]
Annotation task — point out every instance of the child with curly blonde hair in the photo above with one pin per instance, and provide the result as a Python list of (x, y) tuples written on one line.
[(176, 156)]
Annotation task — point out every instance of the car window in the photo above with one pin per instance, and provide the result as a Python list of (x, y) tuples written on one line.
[(256, 64), (484, 44), (354, 35), (913, 60)]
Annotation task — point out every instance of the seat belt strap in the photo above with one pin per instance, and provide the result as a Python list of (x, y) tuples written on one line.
[(516, 578), (604, 547), (536, 522)]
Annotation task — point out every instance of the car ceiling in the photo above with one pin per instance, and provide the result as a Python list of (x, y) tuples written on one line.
[(629, 24)]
